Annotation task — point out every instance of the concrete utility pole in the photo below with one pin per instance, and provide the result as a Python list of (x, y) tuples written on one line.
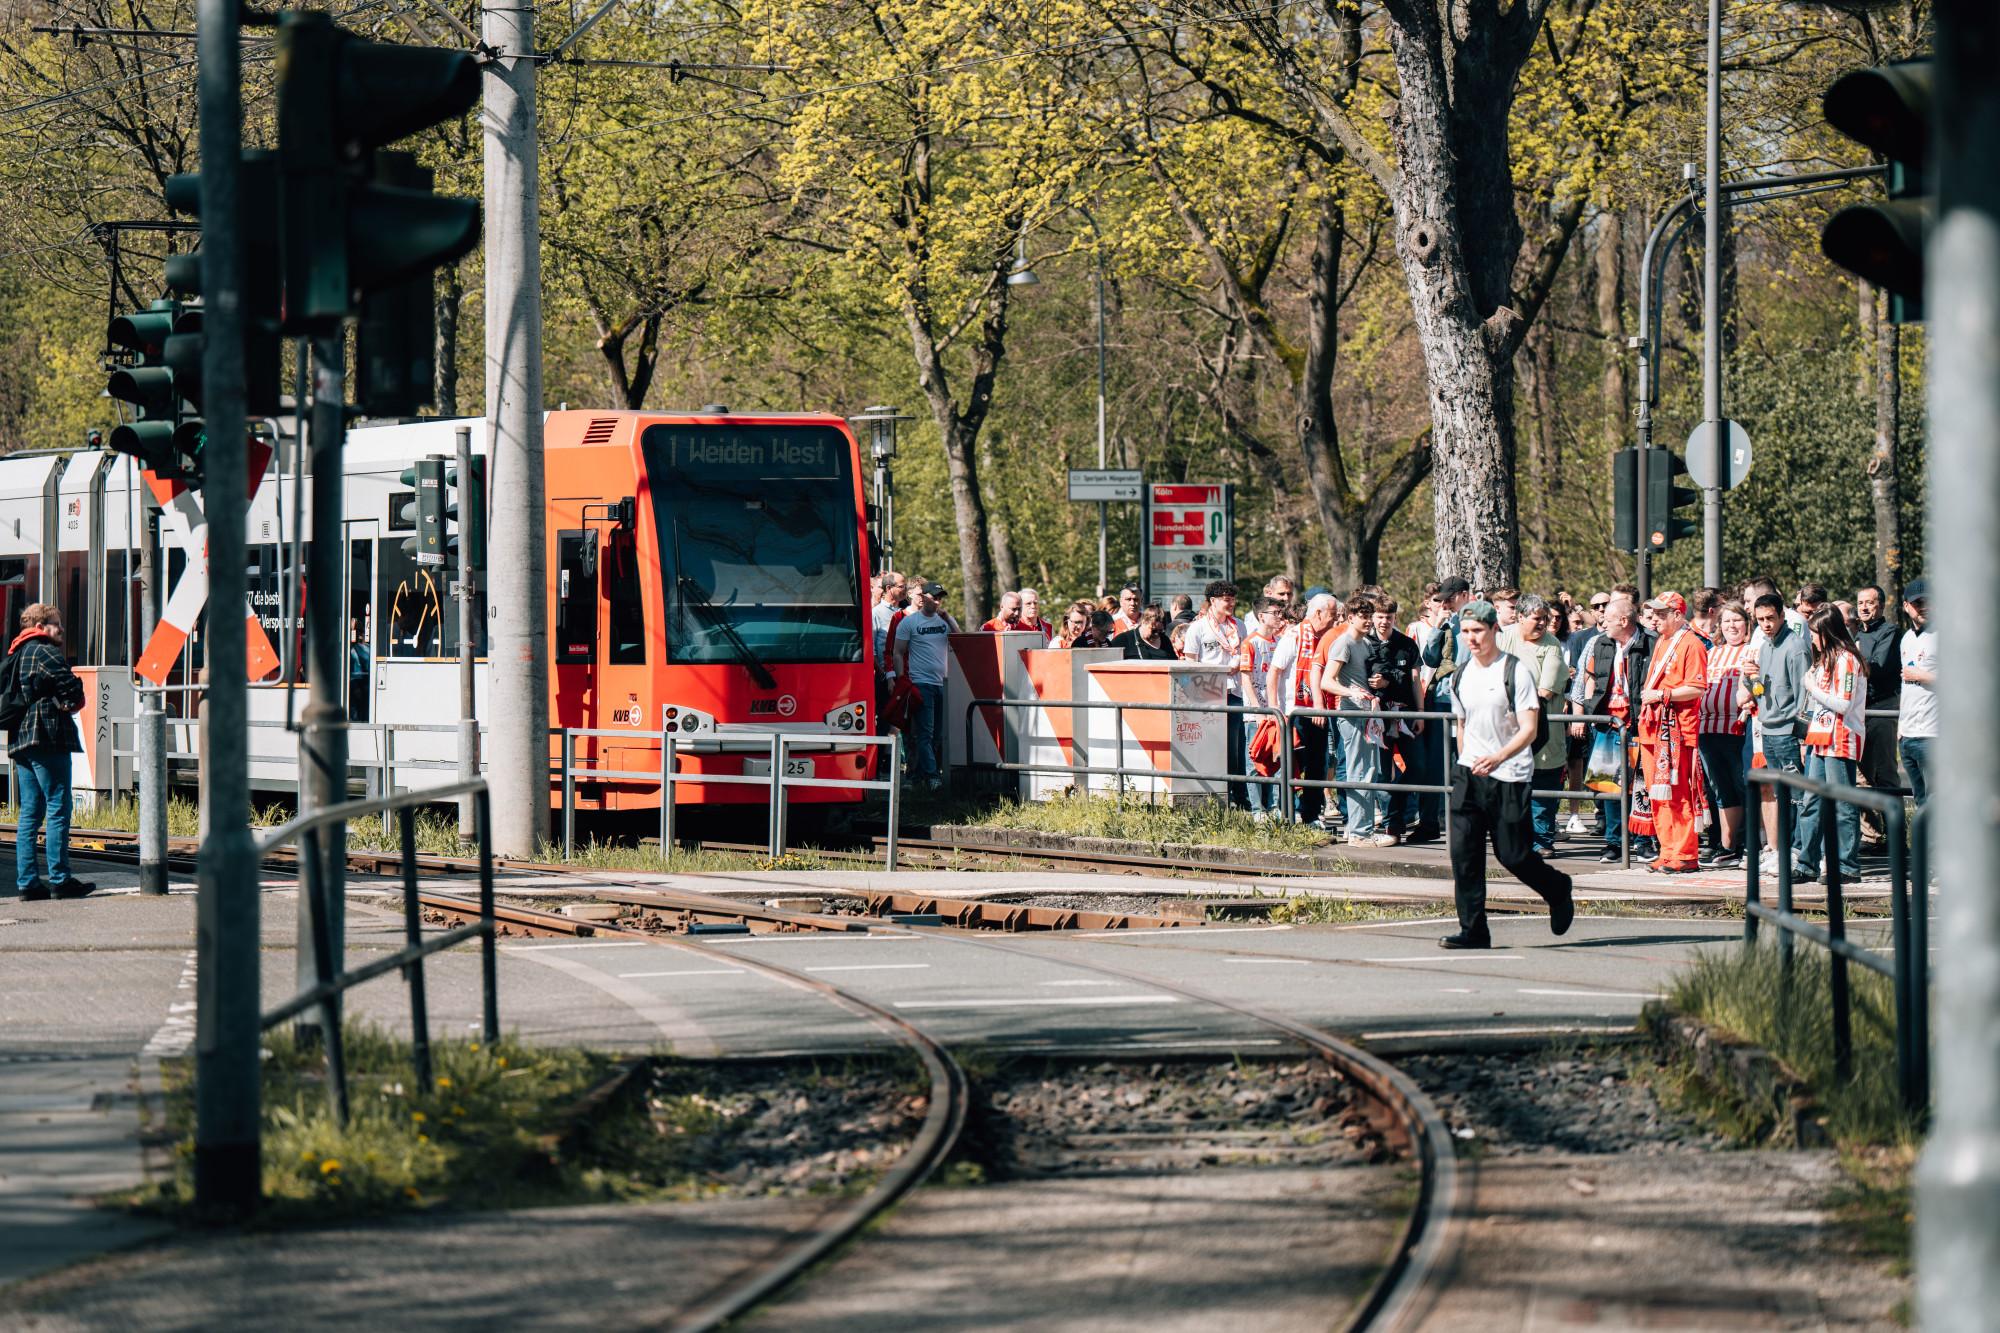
[(324, 743), (468, 637), (1103, 524), (517, 594), (1714, 207), (227, 1091), (1958, 1179), (152, 728)]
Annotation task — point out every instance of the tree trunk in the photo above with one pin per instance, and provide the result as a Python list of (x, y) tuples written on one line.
[(1613, 389), (1006, 573), (450, 295), (959, 431), (1884, 479), (1542, 448)]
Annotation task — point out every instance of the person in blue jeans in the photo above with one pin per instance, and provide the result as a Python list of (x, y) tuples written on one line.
[(40, 742), (923, 656)]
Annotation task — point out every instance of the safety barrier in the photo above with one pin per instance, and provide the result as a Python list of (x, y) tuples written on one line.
[(1907, 968), (777, 781), (329, 985), (1285, 779)]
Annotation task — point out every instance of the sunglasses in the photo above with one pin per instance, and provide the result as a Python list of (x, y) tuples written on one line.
[(1599, 606)]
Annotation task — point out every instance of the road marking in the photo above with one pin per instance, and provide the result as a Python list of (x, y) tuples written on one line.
[(1041, 1002), (1599, 994), (583, 944), (1470, 956), (1543, 1030), (1206, 1044), (1272, 962), (871, 967), (1455, 990), (1180, 932), (688, 972), (685, 1034), (1080, 983), (178, 1032), (1391, 925), (828, 937)]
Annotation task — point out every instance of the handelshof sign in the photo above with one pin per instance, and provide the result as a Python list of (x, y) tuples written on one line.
[(1110, 487), (1190, 534)]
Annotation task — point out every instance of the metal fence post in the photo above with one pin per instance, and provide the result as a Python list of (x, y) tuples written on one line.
[(666, 794), (413, 934), (1118, 755), (1920, 949), (1285, 796), (1753, 890), (322, 950), (489, 945), (1784, 850), (568, 794), (895, 793), (1907, 996), (774, 830), (1625, 794), (1836, 929), (1447, 730)]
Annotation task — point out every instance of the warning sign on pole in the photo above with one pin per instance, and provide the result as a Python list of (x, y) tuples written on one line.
[(1190, 535)]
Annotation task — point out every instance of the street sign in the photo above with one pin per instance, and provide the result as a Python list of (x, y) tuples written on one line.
[(1190, 533), (1700, 456), (1107, 487)]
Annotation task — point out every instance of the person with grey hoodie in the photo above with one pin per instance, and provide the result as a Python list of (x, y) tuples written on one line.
[(1773, 685)]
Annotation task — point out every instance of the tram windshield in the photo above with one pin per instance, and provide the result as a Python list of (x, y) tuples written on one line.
[(757, 542)]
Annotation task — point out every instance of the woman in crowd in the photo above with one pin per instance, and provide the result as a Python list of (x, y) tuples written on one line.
[(1836, 691), (1147, 641), (1723, 757), (1076, 625)]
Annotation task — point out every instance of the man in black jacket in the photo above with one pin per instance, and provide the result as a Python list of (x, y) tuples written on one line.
[(1611, 673), (1393, 663), (40, 746), (1879, 640)]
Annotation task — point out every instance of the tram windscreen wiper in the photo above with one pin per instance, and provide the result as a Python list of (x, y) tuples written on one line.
[(694, 592)]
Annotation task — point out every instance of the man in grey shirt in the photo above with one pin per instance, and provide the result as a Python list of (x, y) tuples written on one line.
[(1775, 683)]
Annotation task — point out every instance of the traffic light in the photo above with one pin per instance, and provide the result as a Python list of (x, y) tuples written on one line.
[(263, 379), (426, 511), (395, 359), (1664, 496), (346, 233), (1625, 499), (1887, 109), (147, 385), (465, 517)]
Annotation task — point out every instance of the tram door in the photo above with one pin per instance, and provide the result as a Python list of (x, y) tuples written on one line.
[(356, 595)]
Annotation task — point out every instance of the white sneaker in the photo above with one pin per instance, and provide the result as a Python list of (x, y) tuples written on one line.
[(1260, 816), (1360, 840), (1575, 826), (1767, 861), (1384, 840)]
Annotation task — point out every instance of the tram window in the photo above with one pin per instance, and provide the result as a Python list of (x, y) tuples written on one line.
[(576, 598), (621, 591), (73, 600), (18, 587), (411, 603), (120, 607)]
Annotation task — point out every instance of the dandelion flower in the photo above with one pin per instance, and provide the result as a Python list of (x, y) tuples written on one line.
[(417, 1116), (501, 1061), (308, 1155), (443, 1082), (329, 1166), (423, 1138)]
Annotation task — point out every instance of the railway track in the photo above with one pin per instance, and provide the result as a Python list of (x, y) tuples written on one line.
[(1398, 1110)]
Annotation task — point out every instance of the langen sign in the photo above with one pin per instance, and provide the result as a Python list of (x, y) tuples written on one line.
[(1106, 487), (1190, 537)]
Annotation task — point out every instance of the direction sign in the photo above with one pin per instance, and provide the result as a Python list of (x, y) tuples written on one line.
[(1190, 536), (1112, 487), (1701, 456)]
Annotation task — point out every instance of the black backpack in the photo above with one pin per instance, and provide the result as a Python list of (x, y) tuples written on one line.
[(1541, 711), (13, 703)]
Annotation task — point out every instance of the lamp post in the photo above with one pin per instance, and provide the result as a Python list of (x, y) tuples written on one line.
[(880, 422)]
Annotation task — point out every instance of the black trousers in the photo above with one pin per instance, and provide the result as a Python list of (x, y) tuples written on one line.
[(1309, 762), (1487, 809), (1878, 765), (1239, 755)]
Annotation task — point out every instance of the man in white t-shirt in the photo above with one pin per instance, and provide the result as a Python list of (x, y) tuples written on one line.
[(1917, 710), (1216, 639), (1491, 780), (923, 656)]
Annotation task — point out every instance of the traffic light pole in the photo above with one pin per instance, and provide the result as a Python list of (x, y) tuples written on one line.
[(468, 638), (324, 743), (1713, 218), (227, 1169), (1958, 1177), (516, 598), (152, 720)]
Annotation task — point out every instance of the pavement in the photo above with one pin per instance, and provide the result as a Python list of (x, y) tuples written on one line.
[(94, 992)]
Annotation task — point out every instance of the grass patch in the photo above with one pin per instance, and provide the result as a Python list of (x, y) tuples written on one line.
[(474, 1142), (595, 855), (1320, 909), (122, 816), (1209, 823)]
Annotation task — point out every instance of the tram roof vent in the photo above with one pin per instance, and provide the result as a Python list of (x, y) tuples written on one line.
[(600, 430), (715, 409)]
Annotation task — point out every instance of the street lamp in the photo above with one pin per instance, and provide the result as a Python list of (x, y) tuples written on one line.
[(880, 428), (1021, 275)]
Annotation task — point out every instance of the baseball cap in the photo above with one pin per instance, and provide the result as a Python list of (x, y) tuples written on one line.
[(1669, 601), (934, 589), (1481, 611), (1452, 587), (1916, 590)]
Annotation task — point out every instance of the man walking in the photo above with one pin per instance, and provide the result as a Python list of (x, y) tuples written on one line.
[(39, 683), (923, 656), (1879, 640), (1917, 720), (1669, 736), (1496, 703)]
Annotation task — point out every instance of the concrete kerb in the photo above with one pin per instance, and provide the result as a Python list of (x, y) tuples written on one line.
[(1749, 1074)]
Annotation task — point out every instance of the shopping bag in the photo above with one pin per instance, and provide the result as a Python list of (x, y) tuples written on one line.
[(1602, 773)]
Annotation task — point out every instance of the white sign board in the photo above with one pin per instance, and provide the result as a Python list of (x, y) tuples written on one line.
[(1700, 456), (1110, 487), (1190, 535)]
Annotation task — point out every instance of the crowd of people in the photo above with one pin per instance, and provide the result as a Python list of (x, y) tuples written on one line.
[(1705, 689)]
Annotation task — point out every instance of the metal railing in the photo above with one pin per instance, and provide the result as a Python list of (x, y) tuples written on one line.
[(1907, 968), (324, 995), (776, 781), (1285, 779)]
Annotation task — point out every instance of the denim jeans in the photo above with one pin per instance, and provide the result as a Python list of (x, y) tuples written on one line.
[(924, 730), (1364, 764), (43, 776), (1841, 773), (1263, 793), (1781, 751), (1917, 766), (1546, 808)]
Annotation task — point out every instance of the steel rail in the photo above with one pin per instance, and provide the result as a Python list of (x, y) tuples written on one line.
[(944, 1116)]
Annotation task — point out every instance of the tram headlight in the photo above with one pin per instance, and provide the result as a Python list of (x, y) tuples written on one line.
[(676, 720), (848, 717)]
